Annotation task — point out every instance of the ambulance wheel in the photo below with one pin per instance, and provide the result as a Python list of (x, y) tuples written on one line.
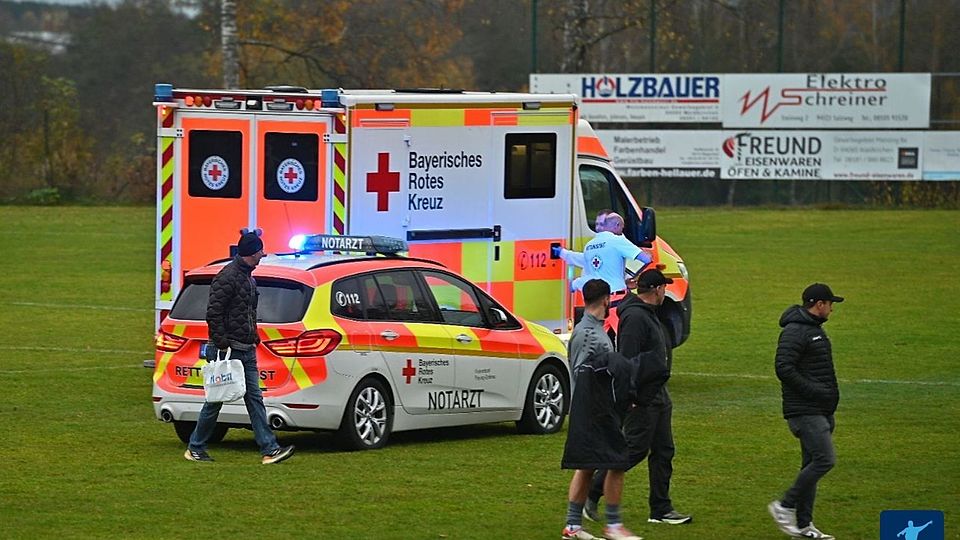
[(185, 429), (546, 403), (368, 417)]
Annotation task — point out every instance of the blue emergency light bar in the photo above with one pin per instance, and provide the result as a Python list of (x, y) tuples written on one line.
[(384, 245)]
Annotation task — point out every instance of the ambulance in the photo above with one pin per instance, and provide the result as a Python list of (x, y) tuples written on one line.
[(480, 182)]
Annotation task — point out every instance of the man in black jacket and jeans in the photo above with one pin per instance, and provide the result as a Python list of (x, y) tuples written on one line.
[(810, 392), (232, 323), (647, 428)]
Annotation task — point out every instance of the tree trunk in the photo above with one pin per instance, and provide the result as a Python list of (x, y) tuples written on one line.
[(228, 43)]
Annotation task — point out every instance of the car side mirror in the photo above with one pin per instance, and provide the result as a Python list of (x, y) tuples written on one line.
[(498, 317), (648, 227)]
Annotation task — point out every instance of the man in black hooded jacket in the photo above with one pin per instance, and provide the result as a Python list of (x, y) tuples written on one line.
[(810, 393), (647, 428)]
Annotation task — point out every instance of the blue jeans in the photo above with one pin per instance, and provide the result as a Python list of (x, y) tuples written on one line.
[(253, 399), (816, 447)]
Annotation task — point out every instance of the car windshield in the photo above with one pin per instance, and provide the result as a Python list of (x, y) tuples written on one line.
[(280, 301)]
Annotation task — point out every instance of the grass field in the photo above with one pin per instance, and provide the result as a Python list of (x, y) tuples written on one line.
[(83, 456)]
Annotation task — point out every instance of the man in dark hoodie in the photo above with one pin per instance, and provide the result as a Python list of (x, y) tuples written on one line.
[(647, 428), (810, 392), (232, 323)]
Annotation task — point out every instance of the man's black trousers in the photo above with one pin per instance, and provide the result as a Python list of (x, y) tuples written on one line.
[(648, 431)]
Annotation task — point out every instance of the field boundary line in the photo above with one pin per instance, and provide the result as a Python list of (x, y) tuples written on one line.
[(842, 381), (73, 306)]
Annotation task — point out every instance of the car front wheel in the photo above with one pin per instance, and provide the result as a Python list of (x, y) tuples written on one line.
[(545, 405), (368, 417)]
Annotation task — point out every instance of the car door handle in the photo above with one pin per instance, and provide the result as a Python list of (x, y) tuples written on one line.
[(389, 335), (463, 338)]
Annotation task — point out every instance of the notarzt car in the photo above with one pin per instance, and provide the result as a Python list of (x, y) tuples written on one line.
[(367, 345)]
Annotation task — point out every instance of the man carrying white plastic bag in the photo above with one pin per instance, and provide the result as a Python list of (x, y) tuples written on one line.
[(232, 324)]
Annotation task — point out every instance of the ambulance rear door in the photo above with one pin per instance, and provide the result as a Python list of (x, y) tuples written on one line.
[(293, 183)]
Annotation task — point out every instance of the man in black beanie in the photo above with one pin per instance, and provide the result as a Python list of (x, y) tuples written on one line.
[(232, 323)]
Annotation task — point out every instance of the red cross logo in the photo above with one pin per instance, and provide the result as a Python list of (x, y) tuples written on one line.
[(291, 175), (215, 172), (383, 182), (409, 371)]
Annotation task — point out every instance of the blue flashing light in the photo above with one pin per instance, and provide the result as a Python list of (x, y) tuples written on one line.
[(297, 242), (163, 92), (330, 97)]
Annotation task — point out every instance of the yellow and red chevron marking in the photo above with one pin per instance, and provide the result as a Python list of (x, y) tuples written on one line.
[(166, 206), (339, 179)]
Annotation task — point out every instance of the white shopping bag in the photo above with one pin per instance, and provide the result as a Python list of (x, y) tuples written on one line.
[(223, 380)]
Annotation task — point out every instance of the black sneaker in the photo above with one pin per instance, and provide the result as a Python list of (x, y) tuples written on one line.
[(278, 455), (590, 510), (672, 517), (193, 455)]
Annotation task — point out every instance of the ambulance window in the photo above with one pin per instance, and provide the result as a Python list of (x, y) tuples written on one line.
[(601, 191), (290, 166), (531, 166), (215, 164), (345, 299), (456, 299), (403, 297)]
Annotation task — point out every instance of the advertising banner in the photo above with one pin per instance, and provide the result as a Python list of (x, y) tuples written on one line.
[(664, 154), (822, 155), (826, 100), (941, 155), (638, 97)]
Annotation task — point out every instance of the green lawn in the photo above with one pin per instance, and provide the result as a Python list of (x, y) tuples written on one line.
[(83, 456)]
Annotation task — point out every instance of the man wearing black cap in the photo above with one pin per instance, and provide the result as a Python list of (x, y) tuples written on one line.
[(647, 428), (232, 323), (810, 392)]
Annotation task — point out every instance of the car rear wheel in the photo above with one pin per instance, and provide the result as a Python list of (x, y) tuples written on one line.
[(545, 405), (368, 418), (185, 429)]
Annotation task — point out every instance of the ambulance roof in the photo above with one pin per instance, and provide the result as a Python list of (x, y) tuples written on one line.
[(350, 98)]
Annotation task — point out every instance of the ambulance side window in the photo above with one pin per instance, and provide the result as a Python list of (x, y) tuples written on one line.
[(215, 164), (601, 191), (456, 299), (530, 166), (290, 166)]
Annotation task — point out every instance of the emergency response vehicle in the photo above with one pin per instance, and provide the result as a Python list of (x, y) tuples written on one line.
[(481, 182), (367, 345)]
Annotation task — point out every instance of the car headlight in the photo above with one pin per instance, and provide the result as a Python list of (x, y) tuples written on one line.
[(683, 270)]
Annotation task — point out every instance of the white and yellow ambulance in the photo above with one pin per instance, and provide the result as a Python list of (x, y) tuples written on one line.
[(481, 182)]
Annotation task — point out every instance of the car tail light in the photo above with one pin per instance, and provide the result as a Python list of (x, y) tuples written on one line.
[(309, 343), (169, 342)]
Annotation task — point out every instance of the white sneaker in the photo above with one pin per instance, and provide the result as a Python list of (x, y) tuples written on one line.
[(619, 532), (576, 533), (812, 532), (785, 518)]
